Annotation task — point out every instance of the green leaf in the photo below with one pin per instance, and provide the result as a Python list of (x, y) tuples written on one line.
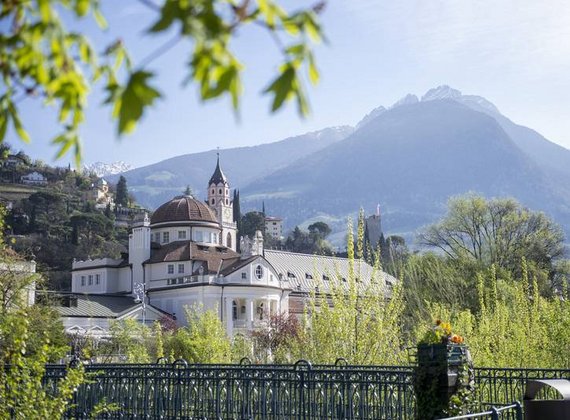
[(66, 142), (18, 124), (282, 87), (168, 13), (82, 7), (313, 71), (3, 124), (99, 18), (45, 11), (135, 97)]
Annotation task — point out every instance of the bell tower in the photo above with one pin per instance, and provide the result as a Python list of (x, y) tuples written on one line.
[(219, 200)]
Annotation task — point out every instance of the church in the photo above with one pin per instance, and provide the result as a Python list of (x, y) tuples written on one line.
[(186, 255)]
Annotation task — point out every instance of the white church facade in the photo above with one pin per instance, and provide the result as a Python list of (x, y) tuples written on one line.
[(185, 255)]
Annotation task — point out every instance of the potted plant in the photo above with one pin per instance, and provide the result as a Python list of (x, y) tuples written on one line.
[(444, 381)]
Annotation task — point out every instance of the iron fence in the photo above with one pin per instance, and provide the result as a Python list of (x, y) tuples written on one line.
[(506, 412), (500, 386), (299, 391)]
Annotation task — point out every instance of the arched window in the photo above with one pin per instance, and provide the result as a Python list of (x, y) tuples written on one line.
[(227, 201), (213, 191), (234, 310), (259, 272), (229, 240), (213, 201), (220, 191)]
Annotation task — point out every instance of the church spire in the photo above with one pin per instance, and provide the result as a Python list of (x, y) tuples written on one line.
[(218, 175)]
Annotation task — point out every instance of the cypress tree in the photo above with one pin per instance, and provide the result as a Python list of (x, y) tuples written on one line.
[(122, 193)]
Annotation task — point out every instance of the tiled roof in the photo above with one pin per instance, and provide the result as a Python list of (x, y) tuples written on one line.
[(305, 272), (234, 264), (183, 208), (97, 306), (213, 256)]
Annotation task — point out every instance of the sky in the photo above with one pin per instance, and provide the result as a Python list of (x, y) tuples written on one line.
[(515, 53)]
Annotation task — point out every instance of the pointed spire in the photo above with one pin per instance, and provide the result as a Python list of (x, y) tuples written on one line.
[(218, 176)]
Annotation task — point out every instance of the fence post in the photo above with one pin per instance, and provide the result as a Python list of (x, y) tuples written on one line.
[(302, 412), (494, 413), (518, 411)]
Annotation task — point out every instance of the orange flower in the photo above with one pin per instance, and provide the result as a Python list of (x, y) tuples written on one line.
[(457, 339)]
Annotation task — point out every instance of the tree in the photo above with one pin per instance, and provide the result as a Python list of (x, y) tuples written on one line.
[(278, 340), (510, 313), (352, 321), (320, 228), (121, 192), (188, 190), (41, 58), (312, 242), (251, 222), (26, 334), (496, 231), (204, 340), (48, 212)]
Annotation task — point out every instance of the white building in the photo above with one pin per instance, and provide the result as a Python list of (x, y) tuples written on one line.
[(274, 227), (186, 255), (92, 314), (34, 178)]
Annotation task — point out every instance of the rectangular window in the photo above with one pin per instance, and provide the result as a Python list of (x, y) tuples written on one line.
[(83, 280), (170, 268), (165, 237), (244, 275), (90, 279), (180, 268), (97, 278), (181, 234)]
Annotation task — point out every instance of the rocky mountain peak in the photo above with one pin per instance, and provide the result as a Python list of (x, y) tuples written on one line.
[(102, 169), (441, 92), (409, 99), (370, 116)]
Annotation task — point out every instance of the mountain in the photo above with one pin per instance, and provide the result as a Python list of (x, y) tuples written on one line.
[(154, 184), (102, 169), (411, 158)]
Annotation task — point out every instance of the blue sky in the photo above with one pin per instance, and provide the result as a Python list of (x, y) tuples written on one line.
[(516, 53)]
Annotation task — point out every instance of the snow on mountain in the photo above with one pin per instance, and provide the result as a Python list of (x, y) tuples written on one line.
[(474, 101), (441, 92), (409, 99), (102, 169)]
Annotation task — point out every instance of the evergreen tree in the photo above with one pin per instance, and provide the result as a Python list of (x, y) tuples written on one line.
[(236, 207), (188, 190), (122, 193)]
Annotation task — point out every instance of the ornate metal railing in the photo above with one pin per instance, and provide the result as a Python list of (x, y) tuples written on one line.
[(512, 411), (299, 391), (500, 386)]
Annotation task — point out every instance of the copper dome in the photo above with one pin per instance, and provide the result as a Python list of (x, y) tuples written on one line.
[(183, 208)]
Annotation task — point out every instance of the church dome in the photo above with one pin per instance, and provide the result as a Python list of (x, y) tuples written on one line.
[(183, 208)]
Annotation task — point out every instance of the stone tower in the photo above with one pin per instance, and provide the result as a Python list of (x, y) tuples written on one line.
[(219, 200)]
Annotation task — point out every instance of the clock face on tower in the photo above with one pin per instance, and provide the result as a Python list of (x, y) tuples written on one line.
[(227, 213)]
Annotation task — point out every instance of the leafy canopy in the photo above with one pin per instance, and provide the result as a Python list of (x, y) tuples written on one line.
[(41, 58)]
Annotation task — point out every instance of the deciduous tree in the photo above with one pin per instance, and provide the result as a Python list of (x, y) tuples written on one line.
[(41, 58)]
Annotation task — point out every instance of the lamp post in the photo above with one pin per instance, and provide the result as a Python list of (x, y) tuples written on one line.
[(140, 292)]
